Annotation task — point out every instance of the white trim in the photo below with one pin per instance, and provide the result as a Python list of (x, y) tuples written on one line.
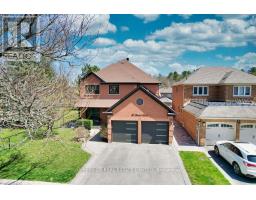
[(244, 90), (198, 86)]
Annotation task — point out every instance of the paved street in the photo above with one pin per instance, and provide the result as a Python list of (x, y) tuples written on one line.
[(124, 163)]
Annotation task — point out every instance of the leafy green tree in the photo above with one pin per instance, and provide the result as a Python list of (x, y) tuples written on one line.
[(87, 68), (252, 70)]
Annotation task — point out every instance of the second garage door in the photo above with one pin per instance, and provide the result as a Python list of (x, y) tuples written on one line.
[(248, 133), (124, 131), (219, 131), (155, 132)]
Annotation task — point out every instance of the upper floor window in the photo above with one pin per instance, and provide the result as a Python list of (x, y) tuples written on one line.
[(242, 91), (92, 89), (113, 89), (200, 90)]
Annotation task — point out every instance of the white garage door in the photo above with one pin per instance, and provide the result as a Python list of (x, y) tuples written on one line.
[(248, 133), (216, 131)]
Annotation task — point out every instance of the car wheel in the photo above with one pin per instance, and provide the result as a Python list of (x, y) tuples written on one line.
[(216, 150), (237, 169)]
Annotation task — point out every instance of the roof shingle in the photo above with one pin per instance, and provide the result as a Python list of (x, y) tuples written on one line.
[(124, 72)]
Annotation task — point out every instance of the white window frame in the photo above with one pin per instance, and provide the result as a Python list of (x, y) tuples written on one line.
[(200, 86), (244, 86)]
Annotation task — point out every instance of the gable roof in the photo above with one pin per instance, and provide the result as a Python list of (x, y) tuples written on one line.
[(218, 75), (147, 92), (124, 72)]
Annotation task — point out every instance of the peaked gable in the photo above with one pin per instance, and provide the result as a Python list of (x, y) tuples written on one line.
[(148, 93)]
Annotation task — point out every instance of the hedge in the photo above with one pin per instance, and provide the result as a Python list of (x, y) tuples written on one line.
[(87, 123)]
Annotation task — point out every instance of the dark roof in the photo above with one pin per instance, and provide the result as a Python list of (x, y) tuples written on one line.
[(146, 91), (123, 72)]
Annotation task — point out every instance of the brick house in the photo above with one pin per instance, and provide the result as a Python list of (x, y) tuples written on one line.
[(126, 100), (216, 103)]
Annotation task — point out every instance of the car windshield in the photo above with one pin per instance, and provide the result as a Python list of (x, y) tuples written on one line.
[(251, 158)]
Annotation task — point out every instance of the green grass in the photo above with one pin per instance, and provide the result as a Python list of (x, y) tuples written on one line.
[(56, 159), (201, 170), (69, 115)]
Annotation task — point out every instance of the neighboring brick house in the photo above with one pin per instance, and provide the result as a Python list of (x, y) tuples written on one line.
[(216, 103), (126, 100)]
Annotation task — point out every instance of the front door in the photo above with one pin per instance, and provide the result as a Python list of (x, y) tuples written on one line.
[(93, 114)]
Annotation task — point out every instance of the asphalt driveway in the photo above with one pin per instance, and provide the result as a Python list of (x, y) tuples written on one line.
[(124, 163), (228, 170)]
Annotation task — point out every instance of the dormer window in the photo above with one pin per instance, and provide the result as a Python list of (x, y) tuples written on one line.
[(200, 90), (242, 91)]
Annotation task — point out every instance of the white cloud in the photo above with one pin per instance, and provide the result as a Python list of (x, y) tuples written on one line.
[(161, 49), (246, 61), (124, 28), (208, 34), (104, 42), (101, 25), (147, 17), (226, 58), (182, 67)]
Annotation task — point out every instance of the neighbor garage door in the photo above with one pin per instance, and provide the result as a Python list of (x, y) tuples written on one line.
[(248, 133), (216, 131), (124, 131), (155, 132)]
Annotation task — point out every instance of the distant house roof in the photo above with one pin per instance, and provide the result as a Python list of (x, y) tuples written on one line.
[(124, 72), (221, 112), (96, 103), (165, 90), (218, 75)]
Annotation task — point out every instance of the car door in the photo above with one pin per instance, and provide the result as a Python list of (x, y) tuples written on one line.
[(226, 152)]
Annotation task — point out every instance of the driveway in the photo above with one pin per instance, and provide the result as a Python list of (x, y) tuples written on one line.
[(124, 163), (227, 169)]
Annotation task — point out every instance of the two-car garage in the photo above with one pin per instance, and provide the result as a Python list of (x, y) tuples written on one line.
[(151, 132), (216, 131)]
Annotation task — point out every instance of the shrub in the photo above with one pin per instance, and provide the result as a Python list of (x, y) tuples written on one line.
[(8, 156), (82, 134), (87, 123)]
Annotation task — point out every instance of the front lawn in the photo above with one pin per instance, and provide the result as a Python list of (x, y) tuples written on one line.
[(201, 170), (56, 159)]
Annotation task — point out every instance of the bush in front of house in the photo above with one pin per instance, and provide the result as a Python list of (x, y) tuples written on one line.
[(87, 123), (82, 134)]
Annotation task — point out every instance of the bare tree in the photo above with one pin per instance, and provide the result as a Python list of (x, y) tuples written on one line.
[(29, 97), (59, 37)]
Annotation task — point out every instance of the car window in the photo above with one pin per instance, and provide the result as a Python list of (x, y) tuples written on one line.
[(236, 151), (227, 145), (251, 158)]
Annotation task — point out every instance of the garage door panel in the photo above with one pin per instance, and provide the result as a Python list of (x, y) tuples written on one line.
[(248, 133), (155, 132), (124, 131), (216, 131)]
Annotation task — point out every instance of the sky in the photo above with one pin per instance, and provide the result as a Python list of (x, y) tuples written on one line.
[(160, 44)]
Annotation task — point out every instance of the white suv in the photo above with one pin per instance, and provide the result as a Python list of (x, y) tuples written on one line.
[(241, 155)]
